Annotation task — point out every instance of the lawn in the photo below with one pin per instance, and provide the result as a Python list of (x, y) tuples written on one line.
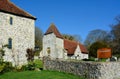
[(38, 75)]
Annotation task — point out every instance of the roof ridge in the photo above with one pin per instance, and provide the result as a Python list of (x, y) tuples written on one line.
[(73, 41), (19, 8), (9, 7)]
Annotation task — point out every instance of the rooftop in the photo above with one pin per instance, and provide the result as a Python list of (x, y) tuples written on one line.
[(8, 7), (70, 46), (53, 29)]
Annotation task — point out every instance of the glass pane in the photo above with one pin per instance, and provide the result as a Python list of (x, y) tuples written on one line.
[(10, 43), (11, 20)]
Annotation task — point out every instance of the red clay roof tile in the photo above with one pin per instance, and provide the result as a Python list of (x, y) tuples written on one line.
[(8, 7), (70, 46), (83, 49)]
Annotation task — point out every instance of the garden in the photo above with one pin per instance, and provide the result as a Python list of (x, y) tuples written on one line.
[(33, 70)]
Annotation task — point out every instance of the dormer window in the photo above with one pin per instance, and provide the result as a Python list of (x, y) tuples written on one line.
[(11, 20)]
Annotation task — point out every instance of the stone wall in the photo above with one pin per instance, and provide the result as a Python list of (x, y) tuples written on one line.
[(22, 34), (90, 70)]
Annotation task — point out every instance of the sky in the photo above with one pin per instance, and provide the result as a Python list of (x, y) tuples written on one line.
[(75, 17)]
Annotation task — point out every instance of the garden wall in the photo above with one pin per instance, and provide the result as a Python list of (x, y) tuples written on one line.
[(90, 70)]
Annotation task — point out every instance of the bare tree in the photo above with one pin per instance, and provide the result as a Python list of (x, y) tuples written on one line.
[(38, 40), (96, 35), (38, 37), (72, 37), (115, 35)]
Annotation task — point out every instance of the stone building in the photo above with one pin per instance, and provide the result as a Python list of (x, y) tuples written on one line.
[(55, 46), (17, 31)]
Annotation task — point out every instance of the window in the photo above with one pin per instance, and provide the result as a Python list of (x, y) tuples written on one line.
[(11, 21), (48, 51), (10, 43)]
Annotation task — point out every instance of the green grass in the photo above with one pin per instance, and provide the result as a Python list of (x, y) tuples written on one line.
[(38, 75)]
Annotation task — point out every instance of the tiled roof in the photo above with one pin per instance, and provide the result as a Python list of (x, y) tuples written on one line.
[(8, 7), (70, 46), (53, 29), (83, 49)]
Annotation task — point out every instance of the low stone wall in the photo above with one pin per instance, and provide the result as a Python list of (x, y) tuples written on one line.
[(90, 70)]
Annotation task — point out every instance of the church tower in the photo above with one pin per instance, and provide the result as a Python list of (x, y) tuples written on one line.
[(53, 43)]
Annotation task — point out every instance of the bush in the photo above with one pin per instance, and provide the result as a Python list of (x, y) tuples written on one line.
[(30, 54), (5, 67), (8, 67), (39, 63), (29, 66), (102, 59), (36, 65), (2, 66), (95, 46)]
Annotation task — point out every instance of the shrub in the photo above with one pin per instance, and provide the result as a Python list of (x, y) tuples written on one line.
[(2, 66), (5, 67), (8, 66), (36, 65), (30, 54), (39, 63), (24, 68), (29, 66)]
